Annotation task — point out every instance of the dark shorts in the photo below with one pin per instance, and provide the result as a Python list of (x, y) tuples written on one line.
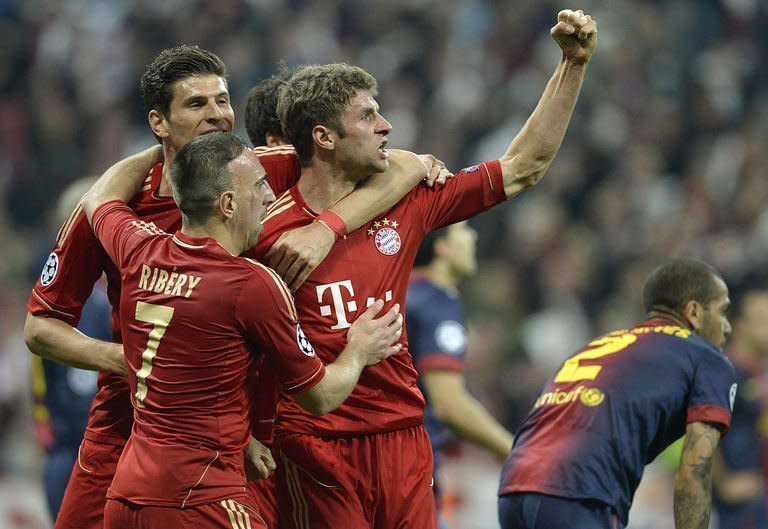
[(529, 510)]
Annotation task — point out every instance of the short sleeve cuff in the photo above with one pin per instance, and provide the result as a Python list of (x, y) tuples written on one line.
[(308, 383), (440, 362), (710, 414), (492, 170)]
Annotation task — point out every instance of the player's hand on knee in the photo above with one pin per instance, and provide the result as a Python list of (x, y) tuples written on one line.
[(377, 338), (576, 34)]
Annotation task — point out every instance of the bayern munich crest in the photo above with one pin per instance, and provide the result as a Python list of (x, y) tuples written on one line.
[(385, 236)]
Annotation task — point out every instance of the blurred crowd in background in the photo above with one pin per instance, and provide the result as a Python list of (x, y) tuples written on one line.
[(665, 156)]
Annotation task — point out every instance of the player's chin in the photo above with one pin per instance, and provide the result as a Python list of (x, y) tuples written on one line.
[(254, 236), (381, 165)]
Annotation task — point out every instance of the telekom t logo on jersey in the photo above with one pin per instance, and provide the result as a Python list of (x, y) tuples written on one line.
[(342, 301)]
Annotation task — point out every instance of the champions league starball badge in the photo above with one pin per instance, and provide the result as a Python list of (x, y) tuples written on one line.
[(385, 236), (49, 270)]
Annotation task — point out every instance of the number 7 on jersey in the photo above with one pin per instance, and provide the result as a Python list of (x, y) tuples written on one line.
[(160, 317)]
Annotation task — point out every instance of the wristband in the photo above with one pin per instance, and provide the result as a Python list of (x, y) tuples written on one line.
[(335, 223)]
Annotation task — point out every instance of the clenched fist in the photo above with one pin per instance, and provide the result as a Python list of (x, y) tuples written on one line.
[(576, 34)]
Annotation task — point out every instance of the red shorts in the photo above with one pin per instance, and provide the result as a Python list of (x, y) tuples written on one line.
[(83, 503), (262, 493), (378, 481), (222, 514)]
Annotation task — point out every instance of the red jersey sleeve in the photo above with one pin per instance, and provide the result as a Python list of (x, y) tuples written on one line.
[(471, 191), (73, 267), (266, 311), (282, 166), (120, 230)]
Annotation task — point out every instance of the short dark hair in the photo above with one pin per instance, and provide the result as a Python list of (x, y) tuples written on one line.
[(673, 284), (199, 173), (172, 65), (261, 108), (318, 95), (426, 253)]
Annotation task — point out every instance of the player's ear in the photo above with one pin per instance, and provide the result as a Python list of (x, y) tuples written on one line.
[(693, 312), (158, 123), (324, 137), (226, 204)]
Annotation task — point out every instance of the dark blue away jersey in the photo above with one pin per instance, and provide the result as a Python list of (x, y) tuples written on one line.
[(613, 407), (437, 339)]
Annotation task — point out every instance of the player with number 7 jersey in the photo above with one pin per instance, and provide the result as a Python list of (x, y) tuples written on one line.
[(195, 316)]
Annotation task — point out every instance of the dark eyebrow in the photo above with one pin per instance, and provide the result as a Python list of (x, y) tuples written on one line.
[(202, 97)]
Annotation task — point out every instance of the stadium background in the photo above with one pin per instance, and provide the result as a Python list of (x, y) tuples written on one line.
[(665, 157)]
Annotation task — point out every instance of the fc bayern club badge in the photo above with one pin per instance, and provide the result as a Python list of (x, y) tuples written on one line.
[(385, 236)]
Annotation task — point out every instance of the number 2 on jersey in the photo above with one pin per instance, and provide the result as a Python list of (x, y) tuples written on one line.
[(160, 317), (573, 371)]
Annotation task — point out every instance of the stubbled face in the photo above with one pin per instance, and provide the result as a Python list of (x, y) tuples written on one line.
[(362, 150), (714, 326), (200, 105), (458, 248), (252, 196)]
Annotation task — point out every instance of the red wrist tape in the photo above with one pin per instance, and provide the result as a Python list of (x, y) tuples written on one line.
[(334, 222)]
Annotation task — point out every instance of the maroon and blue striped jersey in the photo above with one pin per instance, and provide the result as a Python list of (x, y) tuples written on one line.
[(612, 407)]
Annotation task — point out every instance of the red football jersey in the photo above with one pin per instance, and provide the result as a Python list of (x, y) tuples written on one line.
[(194, 317), (78, 260), (75, 264), (282, 166), (373, 262)]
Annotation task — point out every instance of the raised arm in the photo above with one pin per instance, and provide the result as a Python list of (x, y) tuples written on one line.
[(298, 252), (369, 341), (122, 181), (693, 481), (535, 146)]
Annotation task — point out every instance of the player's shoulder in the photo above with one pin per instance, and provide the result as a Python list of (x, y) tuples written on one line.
[(284, 214), (276, 154), (76, 228), (280, 150), (431, 302), (708, 353), (282, 208), (686, 341), (422, 290), (264, 282)]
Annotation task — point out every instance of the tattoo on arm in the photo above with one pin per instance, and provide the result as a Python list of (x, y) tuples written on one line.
[(693, 482)]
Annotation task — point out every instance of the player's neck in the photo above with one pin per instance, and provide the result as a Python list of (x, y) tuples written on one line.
[(667, 315), (217, 232), (441, 274), (322, 186), (165, 189)]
